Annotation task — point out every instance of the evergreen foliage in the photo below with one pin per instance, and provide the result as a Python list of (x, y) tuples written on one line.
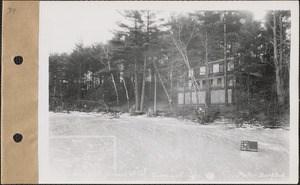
[(122, 70)]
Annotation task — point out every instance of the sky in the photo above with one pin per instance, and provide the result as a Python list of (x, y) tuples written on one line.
[(70, 23), (66, 23)]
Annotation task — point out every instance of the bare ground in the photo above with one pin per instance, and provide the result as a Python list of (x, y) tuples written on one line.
[(89, 147)]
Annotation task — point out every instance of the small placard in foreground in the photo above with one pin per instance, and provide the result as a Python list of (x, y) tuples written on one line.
[(251, 146)]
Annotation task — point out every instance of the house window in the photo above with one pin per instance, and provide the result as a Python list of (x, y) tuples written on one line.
[(230, 81), (196, 72), (237, 79), (219, 81), (215, 68), (203, 82), (221, 69), (210, 69), (211, 81), (202, 70), (230, 66)]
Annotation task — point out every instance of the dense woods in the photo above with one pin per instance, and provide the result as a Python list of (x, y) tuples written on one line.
[(148, 58)]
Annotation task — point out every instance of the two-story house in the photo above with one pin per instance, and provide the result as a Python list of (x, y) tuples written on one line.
[(216, 79)]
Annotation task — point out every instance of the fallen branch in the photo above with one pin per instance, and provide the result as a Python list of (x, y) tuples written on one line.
[(99, 102)]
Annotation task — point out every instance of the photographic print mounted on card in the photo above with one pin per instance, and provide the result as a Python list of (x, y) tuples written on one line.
[(155, 92)]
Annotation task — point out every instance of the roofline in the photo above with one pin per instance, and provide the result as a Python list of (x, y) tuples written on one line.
[(215, 61)]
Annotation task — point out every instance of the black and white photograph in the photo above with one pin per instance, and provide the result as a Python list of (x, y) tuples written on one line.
[(168, 92)]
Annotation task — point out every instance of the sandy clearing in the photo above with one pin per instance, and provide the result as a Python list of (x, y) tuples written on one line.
[(136, 148)]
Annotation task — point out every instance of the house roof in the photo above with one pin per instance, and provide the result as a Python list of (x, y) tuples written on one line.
[(214, 62)]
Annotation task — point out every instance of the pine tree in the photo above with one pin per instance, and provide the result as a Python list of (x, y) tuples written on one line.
[(133, 39)]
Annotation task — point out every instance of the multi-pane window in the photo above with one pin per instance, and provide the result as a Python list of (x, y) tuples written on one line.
[(230, 66), (203, 82), (191, 72), (211, 81), (210, 69), (221, 68), (219, 81), (230, 81), (196, 72), (215, 68), (202, 70)]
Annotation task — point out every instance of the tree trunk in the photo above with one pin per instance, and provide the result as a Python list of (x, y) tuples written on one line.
[(155, 93), (136, 86), (184, 90), (248, 87), (225, 62), (79, 83), (132, 84), (60, 89), (114, 82), (281, 62), (207, 89), (143, 85), (280, 40), (197, 97), (115, 87), (145, 62), (150, 85), (171, 80), (126, 91), (54, 93), (182, 48), (191, 94), (279, 91), (163, 85)]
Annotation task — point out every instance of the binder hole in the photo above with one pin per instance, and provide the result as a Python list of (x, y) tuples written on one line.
[(18, 60), (18, 138)]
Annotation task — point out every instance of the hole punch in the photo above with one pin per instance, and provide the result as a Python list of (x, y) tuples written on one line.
[(18, 138), (18, 60)]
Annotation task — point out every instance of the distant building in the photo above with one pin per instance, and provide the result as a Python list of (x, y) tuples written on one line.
[(236, 81)]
